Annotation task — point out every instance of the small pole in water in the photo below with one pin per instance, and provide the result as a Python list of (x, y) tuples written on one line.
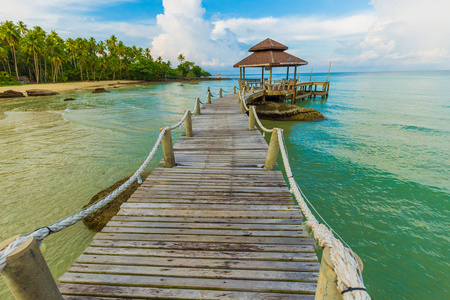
[(310, 75), (329, 68)]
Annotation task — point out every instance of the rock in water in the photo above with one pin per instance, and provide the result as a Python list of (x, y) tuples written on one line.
[(98, 220), (286, 112), (11, 94), (40, 92), (70, 99), (100, 90)]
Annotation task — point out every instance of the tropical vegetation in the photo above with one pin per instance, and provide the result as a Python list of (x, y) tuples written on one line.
[(46, 57)]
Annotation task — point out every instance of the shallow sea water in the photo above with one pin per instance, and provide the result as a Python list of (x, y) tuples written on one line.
[(377, 168)]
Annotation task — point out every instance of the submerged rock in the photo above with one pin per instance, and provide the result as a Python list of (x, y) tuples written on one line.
[(70, 99), (98, 220), (100, 90), (41, 92), (286, 112), (11, 94)]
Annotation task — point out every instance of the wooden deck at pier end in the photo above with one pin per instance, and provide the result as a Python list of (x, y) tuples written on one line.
[(215, 226)]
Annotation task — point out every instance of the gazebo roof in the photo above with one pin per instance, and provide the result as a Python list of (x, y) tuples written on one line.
[(270, 53), (268, 44)]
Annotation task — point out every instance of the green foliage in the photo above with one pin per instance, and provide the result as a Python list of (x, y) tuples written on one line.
[(46, 57), (6, 79)]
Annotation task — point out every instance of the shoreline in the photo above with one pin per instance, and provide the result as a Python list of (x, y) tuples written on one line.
[(91, 85)]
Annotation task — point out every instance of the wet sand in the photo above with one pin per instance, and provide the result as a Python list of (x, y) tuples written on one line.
[(69, 86)]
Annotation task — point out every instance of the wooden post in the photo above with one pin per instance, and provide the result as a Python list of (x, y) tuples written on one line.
[(295, 72), (243, 73), (251, 118), (240, 73), (169, 157), (220, 93), (272, 153), (188, 124), (209, 97), (234, 89), (310, 75), (327, 284), (270, 80), (262, 75), (26, 273), (287, 73), (197, 106), (243, 106), (329, 68)]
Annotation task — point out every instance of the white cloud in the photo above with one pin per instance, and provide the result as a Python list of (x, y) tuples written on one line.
[(184, 30), (71, 18), (405, 35), (294, 28)]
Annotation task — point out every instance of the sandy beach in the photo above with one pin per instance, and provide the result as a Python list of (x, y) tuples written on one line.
[(69, 86)]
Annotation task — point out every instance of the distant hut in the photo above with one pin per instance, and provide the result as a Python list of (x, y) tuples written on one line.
[(269, 54)]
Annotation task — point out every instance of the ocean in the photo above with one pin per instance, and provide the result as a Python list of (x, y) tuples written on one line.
[(377, 168)]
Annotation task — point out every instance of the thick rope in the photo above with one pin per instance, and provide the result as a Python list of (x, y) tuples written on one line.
[(43, 232), (345, 263), (179, 122), (258, 121)]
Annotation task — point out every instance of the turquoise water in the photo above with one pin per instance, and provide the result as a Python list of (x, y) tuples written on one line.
[(377, 168)]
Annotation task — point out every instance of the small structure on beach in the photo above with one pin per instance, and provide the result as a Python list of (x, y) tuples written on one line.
[(270, 54)]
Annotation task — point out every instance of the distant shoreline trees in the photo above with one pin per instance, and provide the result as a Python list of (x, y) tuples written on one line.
[(46, 57)]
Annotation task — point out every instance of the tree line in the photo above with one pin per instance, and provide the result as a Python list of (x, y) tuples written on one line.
[(46, 57)]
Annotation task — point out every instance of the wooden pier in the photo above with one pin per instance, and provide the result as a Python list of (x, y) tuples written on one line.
[(215, 226)]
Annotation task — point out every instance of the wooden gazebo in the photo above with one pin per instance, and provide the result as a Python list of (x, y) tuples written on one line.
[(269, 54)]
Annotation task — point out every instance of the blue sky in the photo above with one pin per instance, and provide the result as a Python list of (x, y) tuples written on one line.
[(356, 35)]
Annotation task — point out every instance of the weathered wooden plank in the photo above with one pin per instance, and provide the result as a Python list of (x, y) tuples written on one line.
[(299, 240), (278, 256), (184, 245), (212, 232), (296, 266), (169, 293), (209, 213), (210, 206), (198, 225), (195, 272), (222, 221), (210, 283)]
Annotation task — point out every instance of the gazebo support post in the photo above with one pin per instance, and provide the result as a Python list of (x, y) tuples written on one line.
[(270, 80), (295, 72), (287, 73), (262, 76), (243, 72), (240, 73)]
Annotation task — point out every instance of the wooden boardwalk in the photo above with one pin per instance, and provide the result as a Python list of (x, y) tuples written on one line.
[(216, 226)]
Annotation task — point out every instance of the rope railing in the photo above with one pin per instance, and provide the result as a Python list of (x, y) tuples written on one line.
[(258, 121), (346, 266)]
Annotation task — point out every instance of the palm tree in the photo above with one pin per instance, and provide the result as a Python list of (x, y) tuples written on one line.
[(22, 27), (4, 55), (121, 52), (181, 58), (148, 53), (111, 43), (159, 60), (9, 32), (33, 44)]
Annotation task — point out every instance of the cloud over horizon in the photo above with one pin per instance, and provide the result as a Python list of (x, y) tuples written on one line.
[(185, 30)]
